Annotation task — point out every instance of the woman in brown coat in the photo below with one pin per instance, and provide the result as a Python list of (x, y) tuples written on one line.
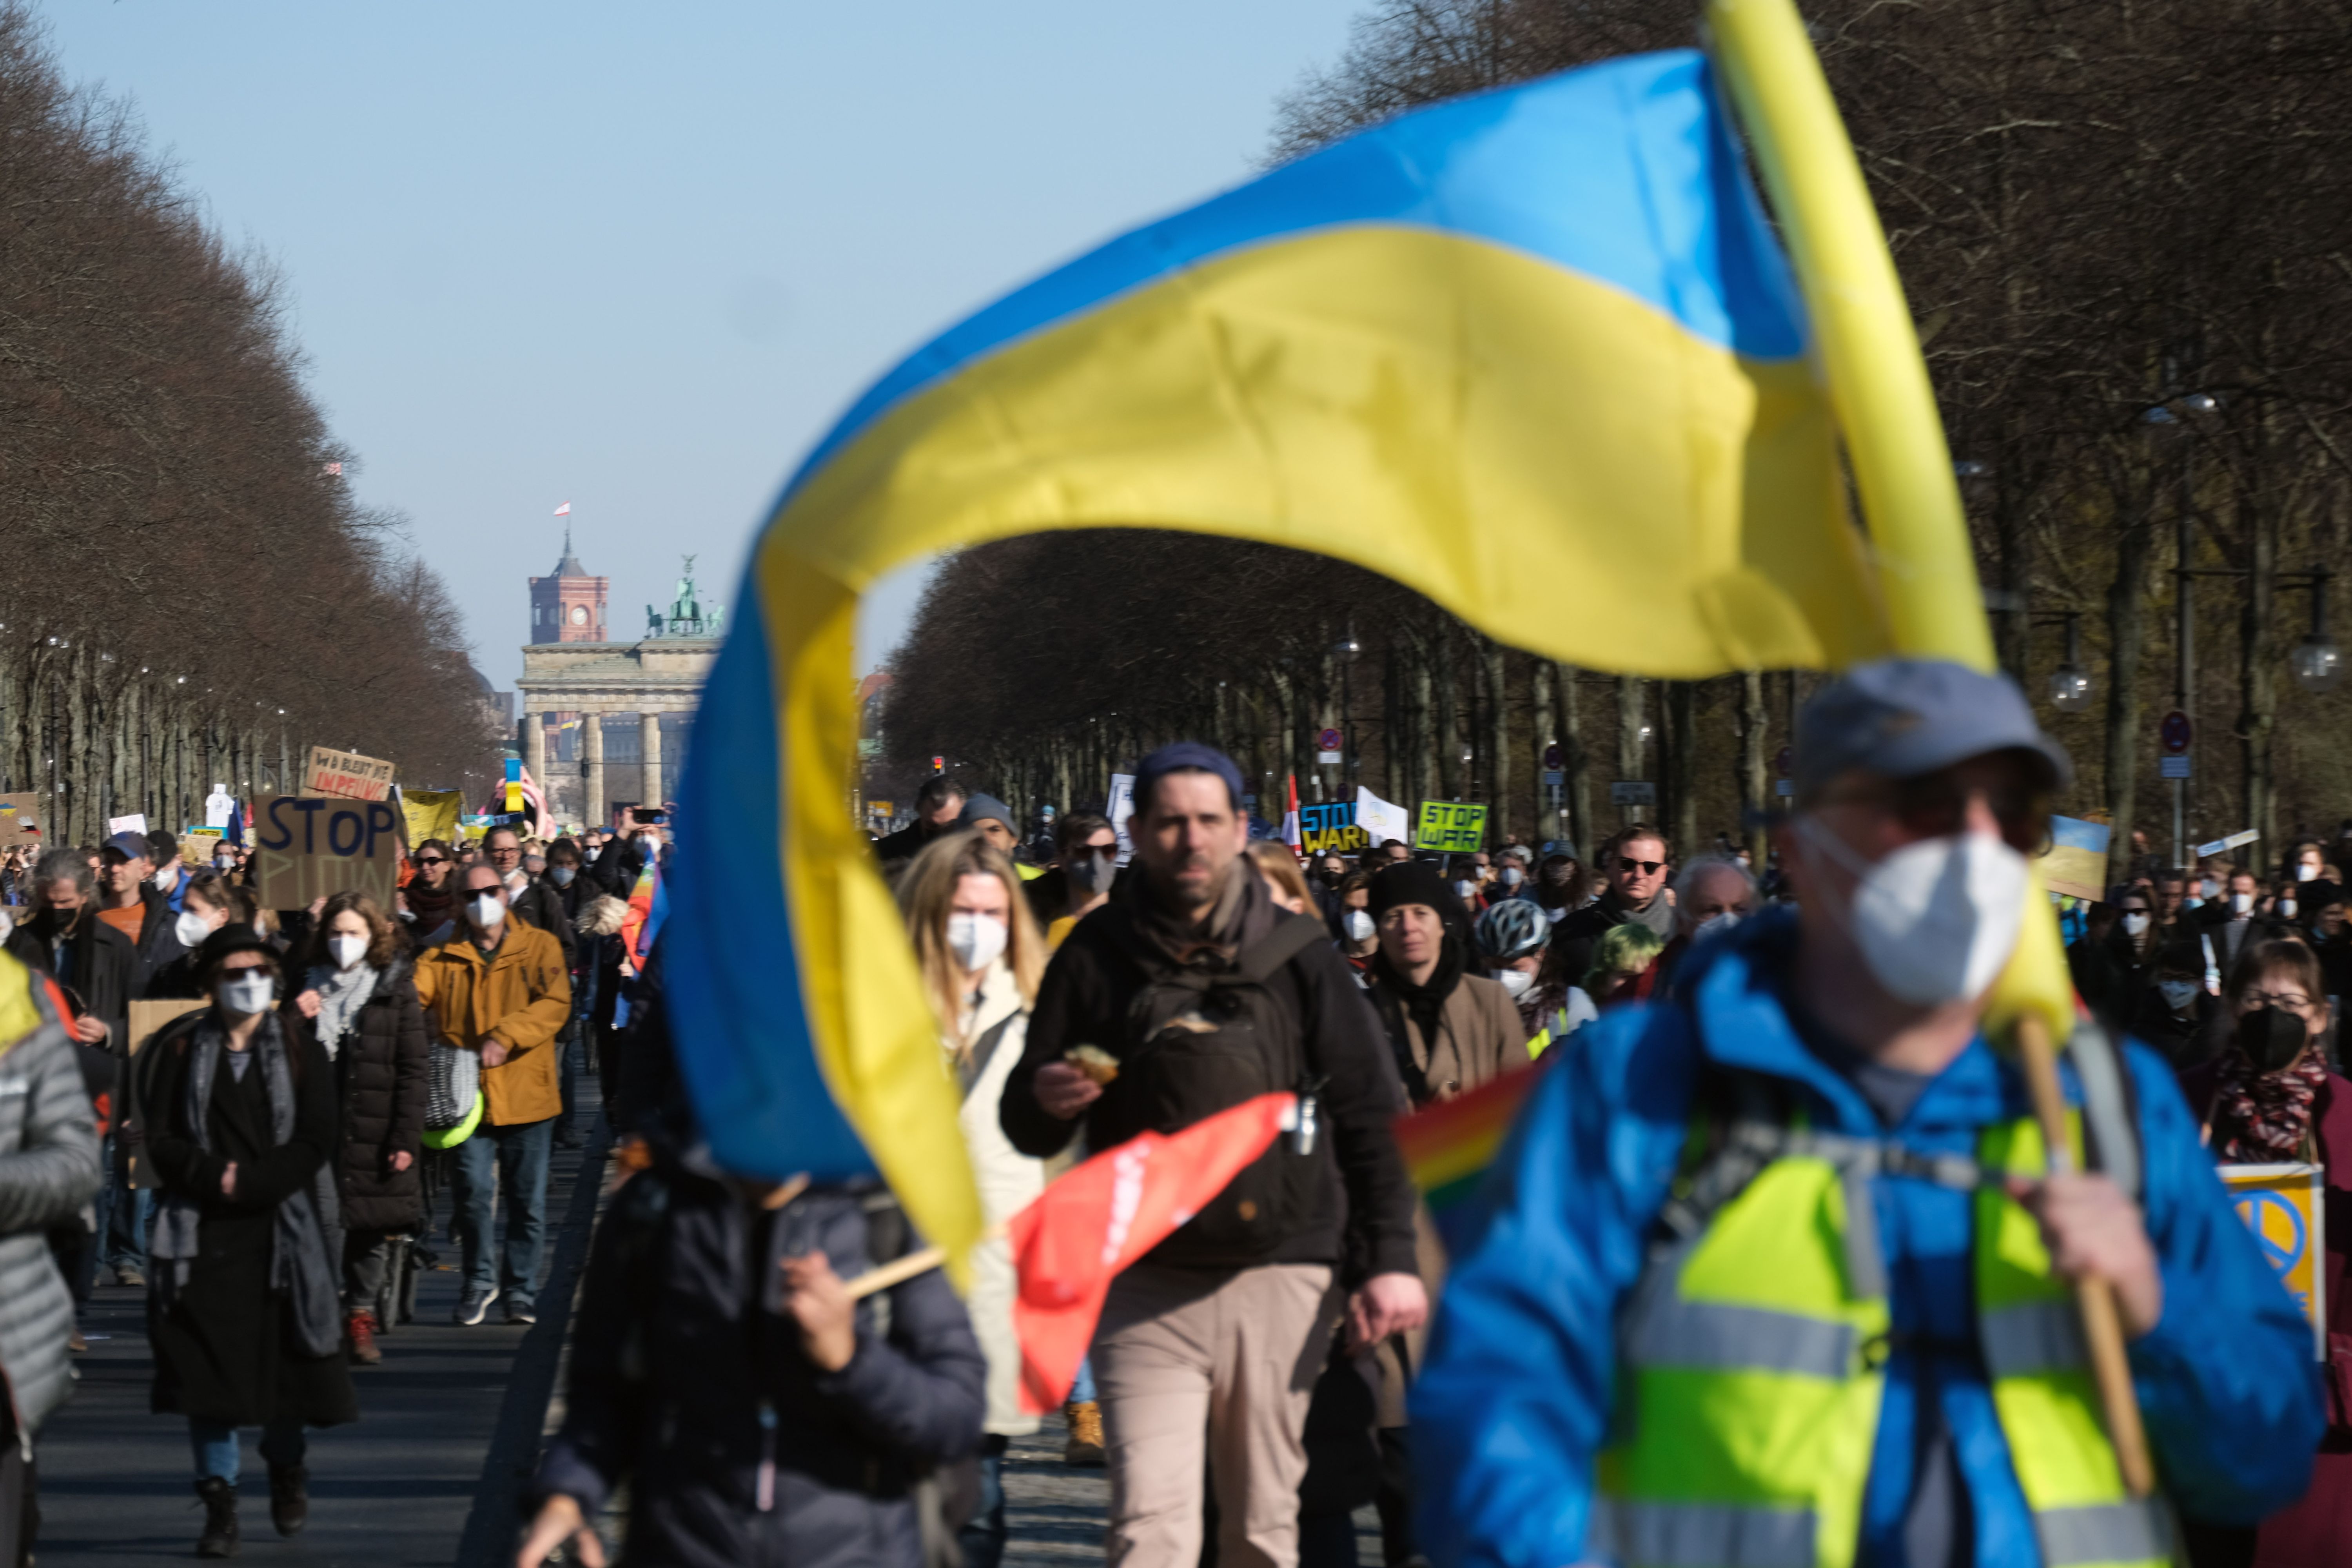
[(1450, 1030), (359, 992)]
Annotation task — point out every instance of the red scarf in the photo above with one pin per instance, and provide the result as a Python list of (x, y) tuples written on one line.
[(2263, 1117)]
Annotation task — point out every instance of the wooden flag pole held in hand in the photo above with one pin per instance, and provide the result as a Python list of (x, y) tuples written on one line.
[(2103, 1329), (1869, 353)]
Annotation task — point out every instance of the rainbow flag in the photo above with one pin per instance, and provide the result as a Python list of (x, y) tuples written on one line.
[(1448, 1146)]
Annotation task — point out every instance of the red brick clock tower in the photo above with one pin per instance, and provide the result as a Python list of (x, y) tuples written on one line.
[(570, 606)]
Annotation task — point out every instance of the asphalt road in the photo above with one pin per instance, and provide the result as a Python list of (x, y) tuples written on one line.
[(448, 1424)]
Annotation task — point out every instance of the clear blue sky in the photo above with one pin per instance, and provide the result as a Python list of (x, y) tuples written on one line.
[(635, 257)]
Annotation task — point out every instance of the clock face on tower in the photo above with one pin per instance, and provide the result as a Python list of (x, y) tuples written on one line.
[(579, 615)]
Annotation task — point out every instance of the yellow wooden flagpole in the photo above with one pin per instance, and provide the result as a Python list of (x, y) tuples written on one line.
[(1926, 569)]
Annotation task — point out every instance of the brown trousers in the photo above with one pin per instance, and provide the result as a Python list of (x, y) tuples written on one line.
[(1192, 1363)]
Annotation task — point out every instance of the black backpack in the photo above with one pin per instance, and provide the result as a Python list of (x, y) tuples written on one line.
[(1199, 1041)]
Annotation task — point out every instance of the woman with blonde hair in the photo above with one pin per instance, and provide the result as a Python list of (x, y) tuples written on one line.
[(981, 957), (1284, 879)]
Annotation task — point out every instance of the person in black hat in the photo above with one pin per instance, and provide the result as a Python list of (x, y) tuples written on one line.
[(938, 803), (1206, 994), (245, 1312)]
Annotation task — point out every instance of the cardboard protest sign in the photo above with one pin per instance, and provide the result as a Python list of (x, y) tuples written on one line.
[(147, 1020), (134, 823), (1331, 829), (1449, 827), (308, 846), (346, 775), (2077, 863), (19, 820), (1121, 808), (431, 813), (198, 844), (2283, 1205)]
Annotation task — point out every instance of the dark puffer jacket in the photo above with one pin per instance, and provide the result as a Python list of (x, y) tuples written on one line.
[(676, 1360), (379, 1076)]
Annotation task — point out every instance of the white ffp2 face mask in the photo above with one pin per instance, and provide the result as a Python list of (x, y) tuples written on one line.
[(2241, 904), (348, 950), (1935, 919), (1360, 926), (486, 909), (1516, 981), (246, 992), (2135, 924), (191, 929), (976, 939)]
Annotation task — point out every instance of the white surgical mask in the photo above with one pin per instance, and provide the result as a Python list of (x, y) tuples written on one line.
[(348, 950), (2178, 994), (224, 863), (485, 910), (191, 929), (2210, 888), (1722, 920), (2241, 904), (1935, 920), (1466, 888), (1360, 926), (246, 992), (1516, 981), (2135, 924), (1512, 876), (2306, 872), (2286, 908), (976, 939)]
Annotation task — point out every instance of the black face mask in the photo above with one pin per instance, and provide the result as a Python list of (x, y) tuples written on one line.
[(2270, 1037)]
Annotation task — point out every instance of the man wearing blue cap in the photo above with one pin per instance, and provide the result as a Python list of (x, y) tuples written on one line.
[(1195, 992), (1771, 1276)]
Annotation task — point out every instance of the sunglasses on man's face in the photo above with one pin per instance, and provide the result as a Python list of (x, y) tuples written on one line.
[(1645, 868), (1936, 806)]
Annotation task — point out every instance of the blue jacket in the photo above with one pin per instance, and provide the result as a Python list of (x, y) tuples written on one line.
[(1514, 1400)]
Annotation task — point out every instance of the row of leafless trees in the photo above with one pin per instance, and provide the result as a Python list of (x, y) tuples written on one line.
[(188, 597), (2127, 233)]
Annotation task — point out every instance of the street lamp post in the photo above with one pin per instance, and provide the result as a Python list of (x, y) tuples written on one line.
[(1346, 650)]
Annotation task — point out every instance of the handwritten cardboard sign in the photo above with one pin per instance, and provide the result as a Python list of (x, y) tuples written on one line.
[(306, 847), (198, 844), (1331, 829), (431, 813), (1449, 827), (19, 820), (346, 775)]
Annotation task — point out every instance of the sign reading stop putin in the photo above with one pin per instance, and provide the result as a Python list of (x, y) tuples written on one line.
[(306, 847)]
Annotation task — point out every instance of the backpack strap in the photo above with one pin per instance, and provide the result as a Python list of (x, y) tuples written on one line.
[(1291, 935), (2110, 1106)]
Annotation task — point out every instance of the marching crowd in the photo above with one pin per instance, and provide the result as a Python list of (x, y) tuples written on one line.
[(1773, 1269)]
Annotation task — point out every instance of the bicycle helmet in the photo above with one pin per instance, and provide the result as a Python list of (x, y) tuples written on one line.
[(1511, 929)]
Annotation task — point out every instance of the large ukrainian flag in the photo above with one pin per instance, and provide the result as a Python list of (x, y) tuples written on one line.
[(1534, 353)]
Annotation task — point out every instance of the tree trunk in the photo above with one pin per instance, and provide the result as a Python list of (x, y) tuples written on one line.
[(1632, 766), (1452, 783), (2258, 656), (1682, 748), (2127, 646), (1578, 785), (1755, 799), (1542, 732), (1502, 786)]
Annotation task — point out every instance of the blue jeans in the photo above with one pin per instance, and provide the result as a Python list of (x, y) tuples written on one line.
[(125, 1243), (216, 1450), (1081, 1390), (513, 1157), (984, 1539)]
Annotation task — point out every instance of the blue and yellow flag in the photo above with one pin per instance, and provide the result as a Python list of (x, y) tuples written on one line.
[(1534, 353)]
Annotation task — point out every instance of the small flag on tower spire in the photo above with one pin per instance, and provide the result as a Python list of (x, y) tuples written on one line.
[(563, 510)]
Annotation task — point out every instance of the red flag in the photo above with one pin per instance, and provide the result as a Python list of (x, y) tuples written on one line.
[(1095, 1220)]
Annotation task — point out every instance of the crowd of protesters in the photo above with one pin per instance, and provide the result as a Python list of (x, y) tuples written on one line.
[(1301, 1347), (264, 1151)]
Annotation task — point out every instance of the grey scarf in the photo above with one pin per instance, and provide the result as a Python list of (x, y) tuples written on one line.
[(309, 1220), (342, 994)]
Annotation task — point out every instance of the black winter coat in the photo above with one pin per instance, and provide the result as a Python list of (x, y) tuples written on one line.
[(225, 1348), (102, 968), (672, 1292), (380, 1076), (539, 904)]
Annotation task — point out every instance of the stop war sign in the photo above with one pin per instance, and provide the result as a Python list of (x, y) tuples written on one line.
[(306, 848)]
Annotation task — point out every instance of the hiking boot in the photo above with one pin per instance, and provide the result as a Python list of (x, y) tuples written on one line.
[(359, 1331), (474, 1306), (1085, 1446), (290, 1497), (219, 1537)]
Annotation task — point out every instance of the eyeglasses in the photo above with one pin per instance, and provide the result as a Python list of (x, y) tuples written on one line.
[(1646, 867), (2293, 1001), (505, 854)]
